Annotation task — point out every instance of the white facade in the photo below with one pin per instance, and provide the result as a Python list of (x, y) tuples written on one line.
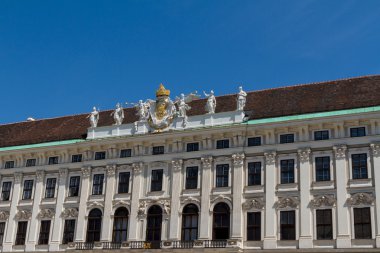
[(304, 194)]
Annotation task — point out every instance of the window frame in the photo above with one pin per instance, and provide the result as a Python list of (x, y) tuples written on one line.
[(125, 153), (223, 141), (12, 162), (320, 131), (259, 174), (295, 225), (28, 190), (193, 178), (158, 181), (255, 137), (228, 175), (66, 234), (50, 188), (31, 162), (77, 160), (23, 233), (286, 135), (372, 225), (191, 163), (294, 161), (369, 163), (10, 190), (100, 155), (158, 150), (98, 187), (322, 169), (127, 183), (44, 235), (357, 128), (72, 187), (324, 225), (258, 227), (192, 143), (2, 232), (53, 160)]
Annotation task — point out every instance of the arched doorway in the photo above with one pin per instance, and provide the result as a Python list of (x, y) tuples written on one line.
[(94, 225), (153, 226), (190, 223), (120, 225), (221, 222)]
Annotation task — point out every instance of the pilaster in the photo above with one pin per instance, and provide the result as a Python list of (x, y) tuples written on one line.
[(375, 151), (110, 188), (237, 192), (343, 239), (136, 194), (205, 198), (175, 204), (82, 213)]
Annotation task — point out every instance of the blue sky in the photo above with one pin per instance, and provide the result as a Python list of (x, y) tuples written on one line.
[(62, 57)]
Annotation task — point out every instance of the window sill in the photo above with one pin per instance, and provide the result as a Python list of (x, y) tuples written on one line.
[(287, 244), (155, 193), (96, 197), (221, 190), (122, 196), (48, 201), (72, 199), (254, 189), (5, 203), (316, 185), (18, 247), (329, 243), (366, 182), (191, 191), (42, 246), (287, 187), (363, 243), (26, 202)]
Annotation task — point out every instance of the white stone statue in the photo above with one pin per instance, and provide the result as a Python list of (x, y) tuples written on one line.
[(211, 102), (142, 110), (183, 107), (118, 114), (241, 99), (94, 117)]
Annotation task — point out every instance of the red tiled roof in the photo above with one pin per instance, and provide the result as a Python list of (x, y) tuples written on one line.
[(300, 99)]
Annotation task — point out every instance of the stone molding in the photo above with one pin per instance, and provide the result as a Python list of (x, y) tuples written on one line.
[(119, 203), (323, 201), (254, 203), (287, 202), (361, 199), (340, 151), (270, 157), (23, 215), (94, 204), (46, 213), (70, 213)]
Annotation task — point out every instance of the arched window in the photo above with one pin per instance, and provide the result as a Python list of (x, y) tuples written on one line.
[(120, 225), (221, 222), (94, 225), (153, 226), (190, 223)]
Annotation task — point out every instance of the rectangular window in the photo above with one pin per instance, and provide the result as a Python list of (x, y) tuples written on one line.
[(156, 184), (254, 173), (222, 173), (53, 160), (97, 184), (50, 188), (74, 186), (359, 166), (6, 191), (321, 135), (254, 141), (68, 231), (30, 162), (2, 228), (288, 225), (324, 224), (287, 171), (192, 177), (194, 146), (9, 164), (286, 138), (357, 132), (123, 182), (21, 232), (220, 144), (125, 153), (254, 226), (100, 155), (28, 189), (362, 223), (76, 158), (158, 150), (322, 168), (44, 232)]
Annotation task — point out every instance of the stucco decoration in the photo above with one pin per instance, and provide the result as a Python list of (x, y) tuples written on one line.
[(238, 159), (119, 203), (86, 171), (361, 199), (340, 151), (40, 174), (23, 215), (270, 157), (221, 198), (177, 164), (94, 204), (18, 177), (190, 199), (207, 161), (254, 203), (4, 215), (137, 167), (287, 202), (164, 203), (110, 169), (304, 155), (323, 201), (70, 213), (46, 213)]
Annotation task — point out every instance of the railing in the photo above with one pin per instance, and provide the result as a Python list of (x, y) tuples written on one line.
[(84, 245), (215, 243), (145, 245), (111, 245), (183, 244)]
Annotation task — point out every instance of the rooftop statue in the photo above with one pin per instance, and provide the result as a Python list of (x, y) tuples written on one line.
[(142, 110), (211, 102), (241, 99), (118, 114), (94, 117), (183, 107)]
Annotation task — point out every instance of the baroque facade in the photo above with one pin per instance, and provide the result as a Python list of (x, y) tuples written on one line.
[(253, 171)]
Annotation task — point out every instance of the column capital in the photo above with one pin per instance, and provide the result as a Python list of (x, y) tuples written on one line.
[(340, 151), (18, 177), (177, 164), (63, 174), (270, 157), (207, 161), (40, 174), (238, 159), (375, 147), (86, 171), (304, 155), (137, 167), (111, 169)]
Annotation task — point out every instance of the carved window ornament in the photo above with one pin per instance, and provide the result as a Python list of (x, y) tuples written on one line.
[(287, 203), (46, 213), (375, 147), (4, 215), (70, 213), (304, 155), (340, 151), (323, 201), (254, 203), (119, 203), (95, 204), (23, 215), (361, 199), (220, 198), (270, 157), (189, 200)]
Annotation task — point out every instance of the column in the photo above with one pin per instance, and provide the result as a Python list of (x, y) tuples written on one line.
[(107, 213), (343, 239), (270, 238), (134, 229), (57, 230), (33, 231), (205, 198), (10, 233), (375, 148), (237, 194), (306, 238), (175, 204), (81, 228)]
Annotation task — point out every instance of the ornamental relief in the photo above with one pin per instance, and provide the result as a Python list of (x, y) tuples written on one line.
[(4, 215), (238, 159), (207, 161), (110, 170), (254, 203), (323, 201), (144, 204), (177, 164), (375, 147), (86, 171), (23, 215), (361, 199), (94, 204), (119, 203), (304, 155), (220, 198), (340, 151), (46, 213), (287, 202), (70, 213), (192, 162), (137, 167), (270, 157)]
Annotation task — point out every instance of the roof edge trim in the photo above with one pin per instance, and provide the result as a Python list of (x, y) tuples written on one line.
[(41, 145)]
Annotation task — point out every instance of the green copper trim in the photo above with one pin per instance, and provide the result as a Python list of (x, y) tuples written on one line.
[(41, 145), (314, 115)]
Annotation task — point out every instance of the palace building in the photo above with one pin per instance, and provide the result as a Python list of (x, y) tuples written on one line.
[(294, 168)]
